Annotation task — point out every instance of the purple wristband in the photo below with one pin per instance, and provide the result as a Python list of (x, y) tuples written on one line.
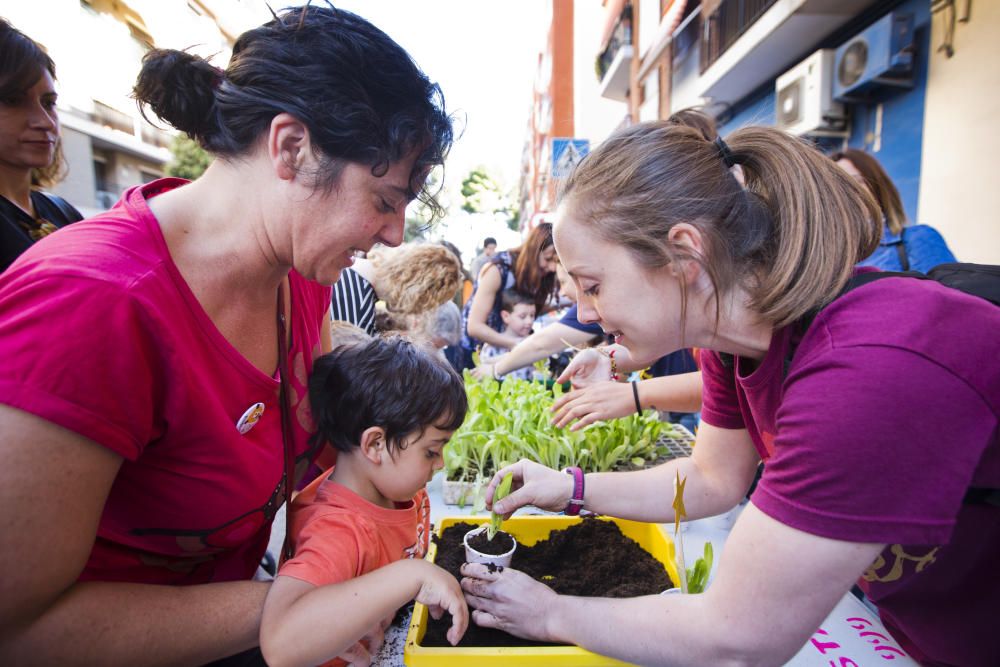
[(576, 502)]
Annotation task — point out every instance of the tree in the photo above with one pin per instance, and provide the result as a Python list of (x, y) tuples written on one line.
[(421, 219), (482, 194), (190, 160)]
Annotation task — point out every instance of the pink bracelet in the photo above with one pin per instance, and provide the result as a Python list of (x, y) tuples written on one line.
[(575, 503)]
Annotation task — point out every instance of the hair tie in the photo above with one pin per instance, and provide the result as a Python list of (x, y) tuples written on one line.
[(725, 153)]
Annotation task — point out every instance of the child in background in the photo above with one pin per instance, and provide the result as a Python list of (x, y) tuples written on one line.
[(517, 312), (360, 531)]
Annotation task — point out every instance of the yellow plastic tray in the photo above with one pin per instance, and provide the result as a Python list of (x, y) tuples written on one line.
[(528, 530)]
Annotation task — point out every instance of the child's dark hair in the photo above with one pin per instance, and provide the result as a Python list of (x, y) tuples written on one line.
[(360, 94), (512, 297), (388, 383)]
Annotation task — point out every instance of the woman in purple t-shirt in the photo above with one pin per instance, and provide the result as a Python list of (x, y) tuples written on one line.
[(873, 433), (140, 397)]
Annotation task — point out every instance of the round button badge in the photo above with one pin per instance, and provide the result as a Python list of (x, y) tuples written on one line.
[(250, 418)]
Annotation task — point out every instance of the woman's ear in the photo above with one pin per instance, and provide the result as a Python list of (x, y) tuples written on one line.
[(687, 239), (287, 145), (373, 444)]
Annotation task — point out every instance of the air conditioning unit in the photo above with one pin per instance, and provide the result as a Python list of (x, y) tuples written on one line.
[(804, 99), (879, 56)]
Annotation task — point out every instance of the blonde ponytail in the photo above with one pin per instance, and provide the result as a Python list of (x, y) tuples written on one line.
[(824, 222)]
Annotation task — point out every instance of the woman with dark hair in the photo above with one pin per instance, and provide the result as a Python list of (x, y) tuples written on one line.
[(849, 397), (30, 154), (903, 247), (157, 443), (530, 269)]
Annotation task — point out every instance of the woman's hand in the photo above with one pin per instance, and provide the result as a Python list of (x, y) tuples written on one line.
[(509, 600), (587, 367), (533, 484), (484, 370), (604, 400), (440, 593)]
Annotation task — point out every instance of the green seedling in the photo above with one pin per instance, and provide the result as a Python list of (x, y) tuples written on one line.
[(512, 420), (697, 576), (502, 490)]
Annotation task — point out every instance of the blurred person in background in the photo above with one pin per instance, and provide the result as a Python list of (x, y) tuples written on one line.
[(30, 151), (903, 247), (517, 311), (411, 279), (489, 250), (529, 269)]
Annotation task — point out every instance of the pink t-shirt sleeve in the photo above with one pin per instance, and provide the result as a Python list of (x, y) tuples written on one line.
[(719, 405), (862, 455), (61, 364)]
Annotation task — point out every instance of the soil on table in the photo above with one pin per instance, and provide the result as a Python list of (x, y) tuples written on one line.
[(591, 558), (500, 544)]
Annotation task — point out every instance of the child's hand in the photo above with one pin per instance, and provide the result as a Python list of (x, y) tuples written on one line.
[(358, 655), (365, 649), (440, 592)]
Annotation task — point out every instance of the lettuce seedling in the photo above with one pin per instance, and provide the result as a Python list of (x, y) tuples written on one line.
[(697, 576), (502, 490)]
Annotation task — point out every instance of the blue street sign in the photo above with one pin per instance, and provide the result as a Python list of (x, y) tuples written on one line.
[(566, 154)]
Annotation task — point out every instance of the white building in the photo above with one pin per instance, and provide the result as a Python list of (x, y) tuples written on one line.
[(97, 46)]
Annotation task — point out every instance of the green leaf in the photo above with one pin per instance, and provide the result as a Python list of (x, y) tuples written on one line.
[(698, 575), (501, 492)]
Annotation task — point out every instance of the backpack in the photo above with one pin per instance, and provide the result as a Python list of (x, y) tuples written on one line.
[(981, 280)]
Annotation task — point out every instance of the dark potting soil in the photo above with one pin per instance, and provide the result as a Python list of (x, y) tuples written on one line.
[(500, 544), (591, 558)]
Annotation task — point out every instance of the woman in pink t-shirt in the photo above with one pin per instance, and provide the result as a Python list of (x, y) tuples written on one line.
[(140, 391), (873, 434)]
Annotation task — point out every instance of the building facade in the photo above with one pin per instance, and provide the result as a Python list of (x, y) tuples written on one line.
[(913, 82), (97, 46)]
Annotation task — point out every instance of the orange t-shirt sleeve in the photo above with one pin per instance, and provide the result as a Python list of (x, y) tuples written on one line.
[(329, 550)]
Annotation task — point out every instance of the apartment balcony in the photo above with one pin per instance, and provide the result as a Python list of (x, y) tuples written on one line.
[(113, 130), (614, 63), (745, 43)]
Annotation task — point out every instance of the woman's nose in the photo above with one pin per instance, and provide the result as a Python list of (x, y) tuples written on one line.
[(392, 233), (43, 118), (585, 312)]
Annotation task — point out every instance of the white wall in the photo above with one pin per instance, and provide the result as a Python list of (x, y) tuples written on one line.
[(595, 117), (959, 181), (78, 186)]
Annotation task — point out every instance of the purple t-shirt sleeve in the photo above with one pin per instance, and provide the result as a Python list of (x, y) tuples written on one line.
[(854, 461), (719, 404), (62, 364)]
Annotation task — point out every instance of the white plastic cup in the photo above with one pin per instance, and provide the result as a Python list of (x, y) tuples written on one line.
[(473, 556)]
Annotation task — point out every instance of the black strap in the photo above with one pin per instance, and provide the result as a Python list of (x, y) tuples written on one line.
[(286, 423), (977, 495), (70, 213), (904, 260)]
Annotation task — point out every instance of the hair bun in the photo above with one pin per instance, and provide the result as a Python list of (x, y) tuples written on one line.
[(180, 89)]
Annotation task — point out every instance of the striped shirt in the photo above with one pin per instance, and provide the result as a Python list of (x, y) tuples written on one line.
[(354, 301)]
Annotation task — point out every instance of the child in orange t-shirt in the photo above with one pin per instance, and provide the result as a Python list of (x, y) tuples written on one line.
[(360, 530)]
